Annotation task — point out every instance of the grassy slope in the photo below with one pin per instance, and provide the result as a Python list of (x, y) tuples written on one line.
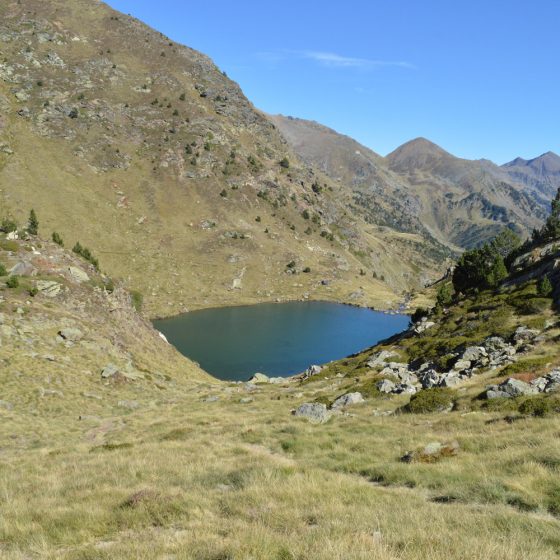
[(116, 178), (158, 468)]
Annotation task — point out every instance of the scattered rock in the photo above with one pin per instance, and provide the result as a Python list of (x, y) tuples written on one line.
[(316, 413), (110, 370), (71, 334), (259, 378), (48, 288), (385, 386), (78, 275), (348, 400), (380, 359)]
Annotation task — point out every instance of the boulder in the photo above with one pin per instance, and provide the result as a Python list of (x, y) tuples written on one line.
[(380, 359), (524, 335), (110, 370), (311, 371), (22, 268), (48, 288), (429, 378), (405, 388), (348, 400), (385, 386), (474, 354), (259, 378), (316, 413), (510, 388), (77, 274), (462, 365), (71, 334), (423, 325)]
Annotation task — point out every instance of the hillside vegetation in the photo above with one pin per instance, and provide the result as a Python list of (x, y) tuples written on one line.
[(144, 149)]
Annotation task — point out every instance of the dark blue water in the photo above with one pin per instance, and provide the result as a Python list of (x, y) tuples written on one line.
[(233, 343)]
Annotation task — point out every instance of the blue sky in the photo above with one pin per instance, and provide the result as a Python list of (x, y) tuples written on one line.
[(481, 79)]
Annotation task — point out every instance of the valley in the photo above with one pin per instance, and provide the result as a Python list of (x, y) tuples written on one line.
[(229, 335)]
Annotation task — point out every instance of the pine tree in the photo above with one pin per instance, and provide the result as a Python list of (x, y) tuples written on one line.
[(544, 287), (33, 223), (551, 229), (57, 239)]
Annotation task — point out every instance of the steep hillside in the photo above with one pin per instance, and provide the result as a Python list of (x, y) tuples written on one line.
[(145, 151), (457, 202), (541, 173)]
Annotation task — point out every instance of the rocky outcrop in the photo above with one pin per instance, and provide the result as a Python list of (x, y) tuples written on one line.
[(511, 387)]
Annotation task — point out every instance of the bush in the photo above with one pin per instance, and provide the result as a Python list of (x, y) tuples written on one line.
[(537, 406), (306, 269), (3, 271), (13, 282), (285, 163), (8, 225), (137, 299), (430, 400), (420, 313)]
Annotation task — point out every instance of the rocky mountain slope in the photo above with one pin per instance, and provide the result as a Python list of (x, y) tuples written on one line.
[(541, 174), (145, 151), (420, 187)]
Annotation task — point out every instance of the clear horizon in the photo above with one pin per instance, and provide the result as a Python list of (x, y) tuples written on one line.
[(476, 79)]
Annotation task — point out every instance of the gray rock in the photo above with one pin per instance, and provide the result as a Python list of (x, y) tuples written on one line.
[(462, 365), (259, 378), (385, 386), (510, 388), (48, 288), (429, 378), (405, 388), (524, 335), (380, 359), (423, 325), (110, 370), (348, 400), (316, 413), (71, 334), (474, 354), (311, 371), (246, 400), (77, 274), (22, 269)]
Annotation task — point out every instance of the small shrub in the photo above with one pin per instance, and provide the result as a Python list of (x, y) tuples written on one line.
[(137, 300), (536, 406), (8, 225), (285, 163), (12, 282), (307, 270), (430, 400), (33, 292), (57, 239), (544, 287), (3, 271)]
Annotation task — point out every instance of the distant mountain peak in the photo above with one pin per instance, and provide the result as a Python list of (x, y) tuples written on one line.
[(416, 154)]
